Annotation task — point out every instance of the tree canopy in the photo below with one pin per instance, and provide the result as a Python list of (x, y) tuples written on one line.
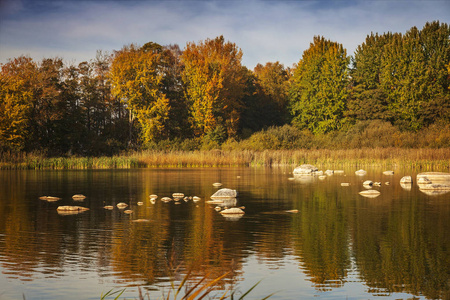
[(142, 96)]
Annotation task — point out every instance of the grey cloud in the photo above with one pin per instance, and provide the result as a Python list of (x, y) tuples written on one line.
[(264, 30)]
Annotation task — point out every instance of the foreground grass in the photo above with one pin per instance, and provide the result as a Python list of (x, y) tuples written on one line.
[(384, 157), (202, 288)]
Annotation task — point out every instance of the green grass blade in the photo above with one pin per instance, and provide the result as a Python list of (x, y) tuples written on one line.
[(246, 293)]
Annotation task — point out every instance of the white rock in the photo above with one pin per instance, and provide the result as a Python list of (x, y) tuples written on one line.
[(305, 170), (232, 211), (406, 180), (388, 172), (224, 194), (370, 193), (361, 172), (71, 208), (435, 177), (122, 205)]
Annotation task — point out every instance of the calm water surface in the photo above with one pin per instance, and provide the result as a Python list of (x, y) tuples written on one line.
[(339, 245)]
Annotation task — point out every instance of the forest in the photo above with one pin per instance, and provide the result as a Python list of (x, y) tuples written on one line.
[(393, 92)]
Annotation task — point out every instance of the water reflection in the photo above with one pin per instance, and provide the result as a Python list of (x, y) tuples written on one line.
[(397, 242)]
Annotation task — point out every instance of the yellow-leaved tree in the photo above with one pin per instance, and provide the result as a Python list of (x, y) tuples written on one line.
[(214, 85), (17, 84), (136, 78)]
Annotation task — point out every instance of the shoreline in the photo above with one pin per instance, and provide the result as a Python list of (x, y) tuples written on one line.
[(422, 159)]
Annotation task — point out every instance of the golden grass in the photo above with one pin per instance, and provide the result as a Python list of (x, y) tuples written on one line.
[(394, 157)]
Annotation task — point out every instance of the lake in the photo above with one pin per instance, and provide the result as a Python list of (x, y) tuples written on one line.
[(338, 244)]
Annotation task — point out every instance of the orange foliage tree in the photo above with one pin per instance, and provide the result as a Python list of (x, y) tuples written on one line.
[(214, 84)]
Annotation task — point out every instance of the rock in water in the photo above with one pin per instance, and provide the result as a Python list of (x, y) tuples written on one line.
[(435, 177), (49, 198), (305, 170), (232, 211), (368, 182), (361, 172), (370, 193), (71, 210), (406, 179), (122, 205), (224, 194)]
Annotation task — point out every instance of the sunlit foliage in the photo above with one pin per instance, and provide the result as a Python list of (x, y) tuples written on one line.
[(214, 82), (319, 87)]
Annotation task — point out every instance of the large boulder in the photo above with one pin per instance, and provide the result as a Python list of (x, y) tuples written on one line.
[(305, 170), (224, 194), (435, 177)]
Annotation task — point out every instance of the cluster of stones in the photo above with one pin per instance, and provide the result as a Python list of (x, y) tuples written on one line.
[(431, 183), (67, 209)]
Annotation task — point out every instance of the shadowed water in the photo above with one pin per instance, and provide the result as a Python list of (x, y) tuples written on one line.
[(338, 244)]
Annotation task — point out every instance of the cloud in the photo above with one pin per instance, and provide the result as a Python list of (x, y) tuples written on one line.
[(264, 30)]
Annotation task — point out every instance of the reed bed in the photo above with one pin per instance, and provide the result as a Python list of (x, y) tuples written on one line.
[(383, 157)]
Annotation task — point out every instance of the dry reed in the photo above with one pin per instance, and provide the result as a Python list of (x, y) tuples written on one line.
[(395, 157)]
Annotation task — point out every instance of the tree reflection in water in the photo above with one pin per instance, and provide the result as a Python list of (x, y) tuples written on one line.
[(397, 242)]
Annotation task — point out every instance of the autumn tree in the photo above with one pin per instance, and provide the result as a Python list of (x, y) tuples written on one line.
[(137, 80), (17, 82), (318, 90), (260, 109), (273, 79), (214, 85)]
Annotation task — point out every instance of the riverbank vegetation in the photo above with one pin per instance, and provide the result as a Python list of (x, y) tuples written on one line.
[(153, 105), (420, 159)]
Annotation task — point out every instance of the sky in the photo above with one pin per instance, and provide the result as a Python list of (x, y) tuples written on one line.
[(265, 31)]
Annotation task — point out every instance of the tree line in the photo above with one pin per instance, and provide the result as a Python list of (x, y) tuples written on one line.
[(142, 96)]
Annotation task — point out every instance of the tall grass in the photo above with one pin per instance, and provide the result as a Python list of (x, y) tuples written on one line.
[(413, 158)]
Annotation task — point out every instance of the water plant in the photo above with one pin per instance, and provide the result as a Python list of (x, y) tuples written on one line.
[(199, 290)]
